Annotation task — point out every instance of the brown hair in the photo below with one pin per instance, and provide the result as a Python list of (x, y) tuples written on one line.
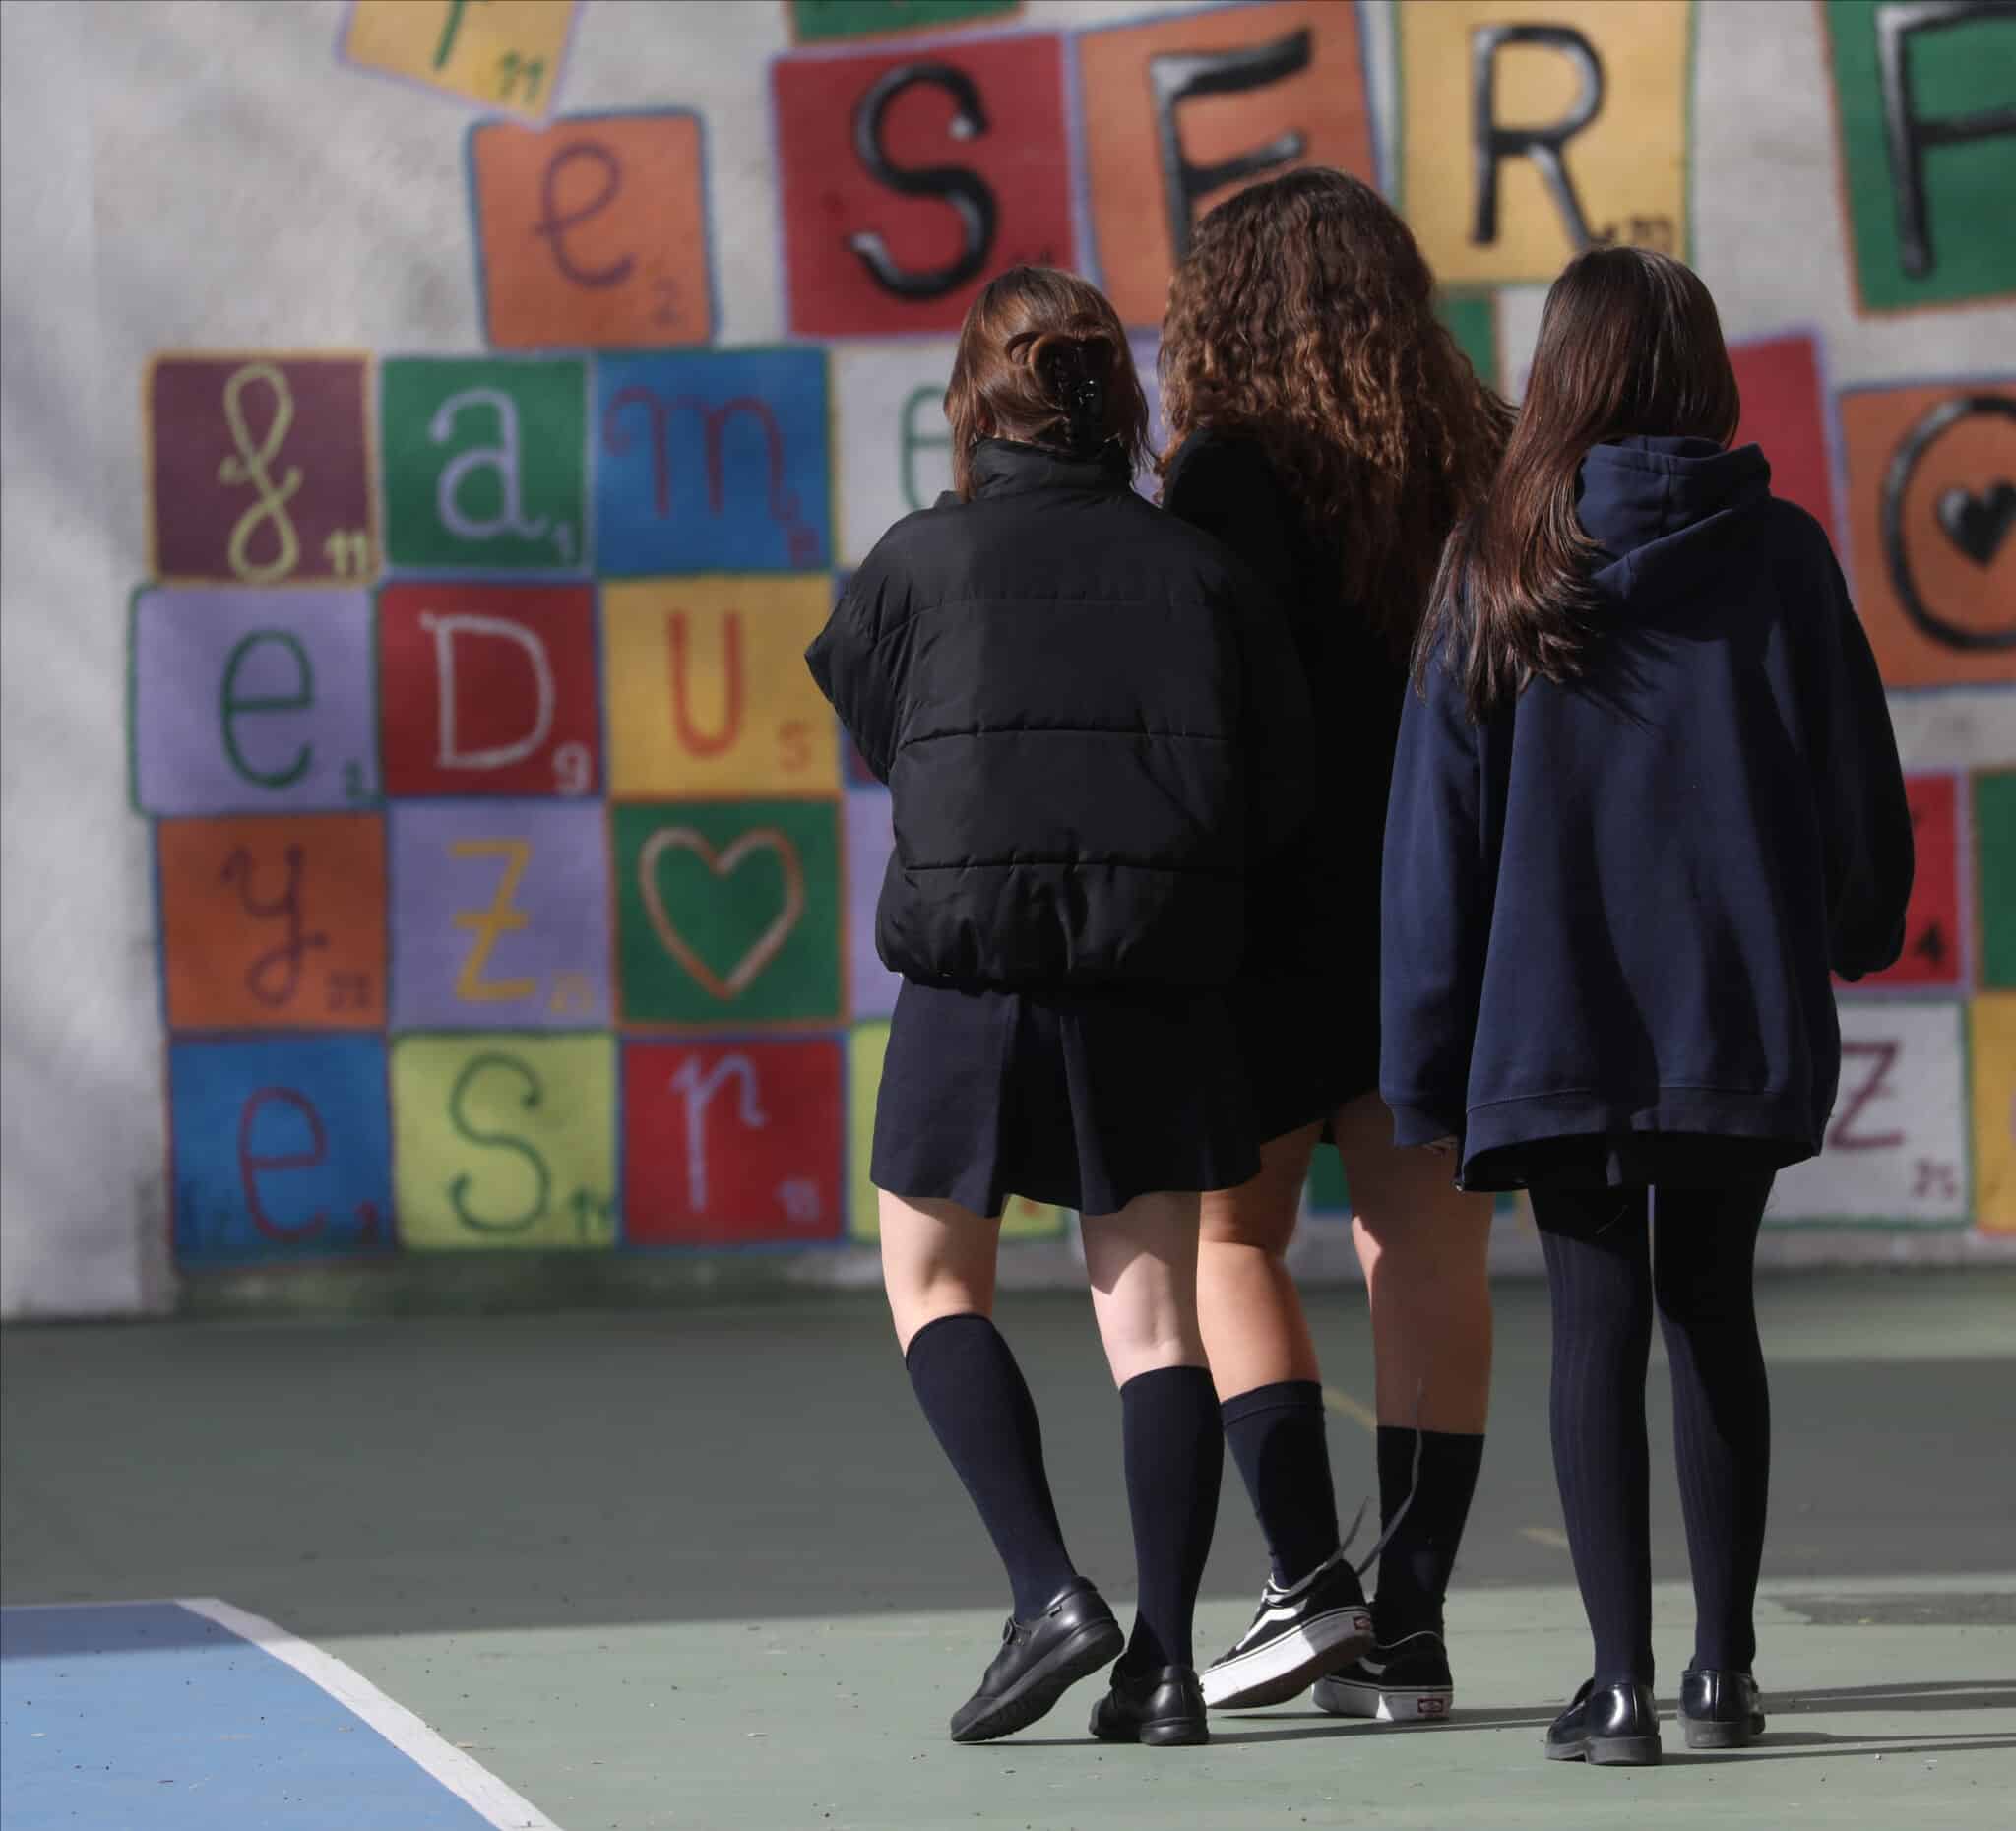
[(1303, 316), (1629, 343), (1042, 359)]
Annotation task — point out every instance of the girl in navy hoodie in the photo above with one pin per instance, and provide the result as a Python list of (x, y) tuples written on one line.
[(1646, 798)]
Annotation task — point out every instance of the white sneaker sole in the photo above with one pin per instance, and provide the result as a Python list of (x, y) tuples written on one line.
[(1373, 1703), (1284, 1668)]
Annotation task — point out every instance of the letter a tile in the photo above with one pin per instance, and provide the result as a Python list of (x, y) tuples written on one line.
[(485, 463)]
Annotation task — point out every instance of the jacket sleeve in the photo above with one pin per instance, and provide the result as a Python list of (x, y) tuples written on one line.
[(1858, 788), (1435, 916), (851, 667)]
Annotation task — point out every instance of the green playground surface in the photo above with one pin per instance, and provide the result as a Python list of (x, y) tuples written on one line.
[(702, 1568)]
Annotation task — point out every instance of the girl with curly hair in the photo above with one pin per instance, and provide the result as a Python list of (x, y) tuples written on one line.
[(1328, 428)]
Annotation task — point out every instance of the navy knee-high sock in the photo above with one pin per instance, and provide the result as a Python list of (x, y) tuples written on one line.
[(979, 1407), (1276, 1435), (1173, 1447), (1416, 1564)]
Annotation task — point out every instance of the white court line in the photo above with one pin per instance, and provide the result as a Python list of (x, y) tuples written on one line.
[(468, 1780)]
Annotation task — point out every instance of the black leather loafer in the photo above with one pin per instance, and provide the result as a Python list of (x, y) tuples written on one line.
[(1720, 1710), (1616, 1725), (1039, 1661), (1163, 1706)]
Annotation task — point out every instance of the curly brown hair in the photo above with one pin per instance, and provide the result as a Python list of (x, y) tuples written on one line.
[(1303, 316)]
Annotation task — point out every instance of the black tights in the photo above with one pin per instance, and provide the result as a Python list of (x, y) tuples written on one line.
[(1606, 1267)]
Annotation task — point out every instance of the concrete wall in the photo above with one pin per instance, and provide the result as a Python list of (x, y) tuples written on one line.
[(350, 348)]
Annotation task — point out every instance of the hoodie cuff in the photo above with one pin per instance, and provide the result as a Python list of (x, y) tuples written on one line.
[(1420, 1125)]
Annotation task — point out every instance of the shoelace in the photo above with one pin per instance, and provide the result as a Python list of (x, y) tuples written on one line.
[(1413, 1483)]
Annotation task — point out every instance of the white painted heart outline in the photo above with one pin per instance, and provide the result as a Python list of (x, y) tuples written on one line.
[(723, 865)]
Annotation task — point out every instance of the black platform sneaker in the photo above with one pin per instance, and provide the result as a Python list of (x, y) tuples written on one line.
[(1405, 1681), (1163, 1707), (1039, 1661), (1720, 1710), (1299, 1635), (1616, 1725)]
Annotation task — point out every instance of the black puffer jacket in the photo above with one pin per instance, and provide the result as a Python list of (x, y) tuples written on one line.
[(1093, 720)]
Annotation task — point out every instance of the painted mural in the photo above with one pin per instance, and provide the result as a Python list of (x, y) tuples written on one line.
[(514, 885)]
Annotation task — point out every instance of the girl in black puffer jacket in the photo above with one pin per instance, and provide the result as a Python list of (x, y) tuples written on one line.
[(1094, 725)]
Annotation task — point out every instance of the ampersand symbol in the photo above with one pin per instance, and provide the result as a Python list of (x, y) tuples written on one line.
[(250, 466)]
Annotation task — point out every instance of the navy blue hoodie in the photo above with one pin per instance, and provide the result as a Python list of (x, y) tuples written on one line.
[(1610, 912)]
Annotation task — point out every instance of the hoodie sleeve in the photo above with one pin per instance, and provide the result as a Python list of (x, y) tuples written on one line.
[(1435, 916), (1858, 788), (851, 664)]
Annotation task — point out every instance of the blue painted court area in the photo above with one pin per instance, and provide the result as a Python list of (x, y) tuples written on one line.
[(149, 1714)]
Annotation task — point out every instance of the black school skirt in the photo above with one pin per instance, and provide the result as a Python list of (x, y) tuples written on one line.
[(1310, 1044), (1085, 1100)]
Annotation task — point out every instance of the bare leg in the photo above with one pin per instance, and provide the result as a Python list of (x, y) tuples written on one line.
[(1423, 1245), (1247, 1305), (938, 1264), (1142, 1265), (937, 1260)]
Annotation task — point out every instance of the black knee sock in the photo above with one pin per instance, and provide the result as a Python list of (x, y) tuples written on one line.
[(1275, 1436), (1173, 1447), (1599, 1280), (1703, 1251), (978, 1405), (1415, 1566)]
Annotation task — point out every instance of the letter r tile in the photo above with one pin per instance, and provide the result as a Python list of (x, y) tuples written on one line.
[(1531, 128)]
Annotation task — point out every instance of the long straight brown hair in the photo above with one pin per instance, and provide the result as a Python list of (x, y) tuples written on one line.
[(1629, 345)]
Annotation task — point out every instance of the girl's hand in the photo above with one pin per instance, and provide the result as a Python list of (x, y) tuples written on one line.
[(1442, 1146)]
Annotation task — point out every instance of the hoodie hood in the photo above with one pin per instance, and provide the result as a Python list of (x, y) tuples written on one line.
[(1663, 509)]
